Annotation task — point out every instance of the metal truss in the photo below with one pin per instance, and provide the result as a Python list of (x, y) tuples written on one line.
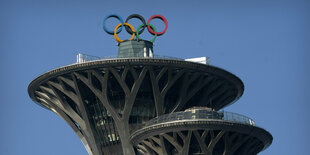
[(207, 142)]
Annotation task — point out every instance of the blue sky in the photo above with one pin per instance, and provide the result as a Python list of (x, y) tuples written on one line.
[(264, 42)]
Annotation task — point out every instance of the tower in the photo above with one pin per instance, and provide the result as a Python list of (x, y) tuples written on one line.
[(142, 103)]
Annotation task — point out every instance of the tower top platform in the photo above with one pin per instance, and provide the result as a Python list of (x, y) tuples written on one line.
[(206, 85)]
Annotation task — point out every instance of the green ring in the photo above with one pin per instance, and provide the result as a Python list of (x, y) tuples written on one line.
[(151, 27)]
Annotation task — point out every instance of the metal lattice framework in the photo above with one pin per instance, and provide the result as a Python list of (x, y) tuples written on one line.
[(105, 101), (210, 137), (187, 142)]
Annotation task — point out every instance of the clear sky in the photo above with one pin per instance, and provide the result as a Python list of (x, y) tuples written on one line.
[(265, 43)]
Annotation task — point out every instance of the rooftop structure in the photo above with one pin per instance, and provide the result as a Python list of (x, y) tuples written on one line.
[(140, 103)]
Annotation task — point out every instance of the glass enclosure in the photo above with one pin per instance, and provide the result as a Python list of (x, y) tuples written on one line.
[(202, 115)]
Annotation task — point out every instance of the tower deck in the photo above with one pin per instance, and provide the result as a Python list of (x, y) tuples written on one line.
[(142, 104)]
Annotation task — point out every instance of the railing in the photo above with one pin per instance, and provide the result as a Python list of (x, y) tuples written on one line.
[(82, 58), (201, 115)]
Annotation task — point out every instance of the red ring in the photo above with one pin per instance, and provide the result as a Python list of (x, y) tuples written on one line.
[(163, 19)]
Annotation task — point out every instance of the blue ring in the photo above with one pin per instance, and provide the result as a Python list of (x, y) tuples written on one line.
[(115, 16)]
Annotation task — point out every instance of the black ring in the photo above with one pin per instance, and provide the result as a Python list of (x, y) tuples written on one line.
[(138, 17)]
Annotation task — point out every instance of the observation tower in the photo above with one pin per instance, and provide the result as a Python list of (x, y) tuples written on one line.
[(142, 103)]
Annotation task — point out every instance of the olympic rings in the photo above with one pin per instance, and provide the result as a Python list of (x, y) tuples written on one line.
[(144, 26), (134, 16), (115, 32), (163, 19), (109, 16), (129, 28)]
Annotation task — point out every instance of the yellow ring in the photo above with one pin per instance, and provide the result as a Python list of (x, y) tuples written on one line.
[(115, 34)]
